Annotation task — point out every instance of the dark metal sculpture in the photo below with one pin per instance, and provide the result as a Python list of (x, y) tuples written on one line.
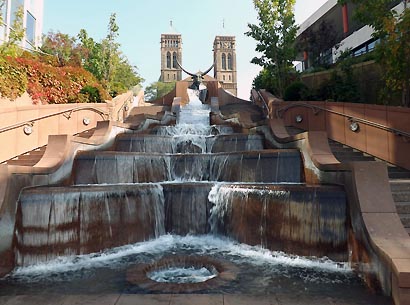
[(196, 78)]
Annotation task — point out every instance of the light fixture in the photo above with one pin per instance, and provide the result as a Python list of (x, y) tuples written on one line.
[(28, 129), (299, 118), (126, 108), (354, 126), (86, 121)]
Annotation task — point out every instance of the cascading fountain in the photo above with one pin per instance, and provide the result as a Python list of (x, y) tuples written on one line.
[(185, 208)]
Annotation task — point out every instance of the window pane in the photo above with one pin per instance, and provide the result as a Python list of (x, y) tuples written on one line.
[(31, 28)]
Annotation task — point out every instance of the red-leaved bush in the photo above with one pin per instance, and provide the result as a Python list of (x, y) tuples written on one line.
[(47, 84)]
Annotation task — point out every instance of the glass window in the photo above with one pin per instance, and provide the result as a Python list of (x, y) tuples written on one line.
[(230, 66), (174, 60), (15, 5), (223, 61), (169, 60), (31, 28)]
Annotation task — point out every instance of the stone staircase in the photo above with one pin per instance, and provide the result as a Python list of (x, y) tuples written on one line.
[(31, 158), (399, 178)]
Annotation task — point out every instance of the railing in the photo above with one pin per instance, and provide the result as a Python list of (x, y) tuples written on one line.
[(264, 104), (316, 109), (65, 113), (125, 105)]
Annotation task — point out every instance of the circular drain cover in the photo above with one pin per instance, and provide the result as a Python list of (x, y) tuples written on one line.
[(179, 274)]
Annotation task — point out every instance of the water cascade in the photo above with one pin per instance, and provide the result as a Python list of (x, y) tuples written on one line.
[(185, 191)]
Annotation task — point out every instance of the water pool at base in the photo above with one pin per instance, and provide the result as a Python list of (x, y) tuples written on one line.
[(260, 271)]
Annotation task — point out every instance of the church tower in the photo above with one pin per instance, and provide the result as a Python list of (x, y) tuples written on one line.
[(171, 51), (225, 63)]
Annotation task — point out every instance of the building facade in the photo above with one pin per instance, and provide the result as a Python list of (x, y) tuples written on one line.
[(171, 52), (225, 63), (344, 31), (32, 21)]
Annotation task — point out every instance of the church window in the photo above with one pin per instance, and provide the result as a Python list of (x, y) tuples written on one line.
[(230, 66), (174, 60), (223, 61), (169, 60)]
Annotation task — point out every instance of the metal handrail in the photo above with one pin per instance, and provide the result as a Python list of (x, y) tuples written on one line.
[(316, 109), (103, 114)]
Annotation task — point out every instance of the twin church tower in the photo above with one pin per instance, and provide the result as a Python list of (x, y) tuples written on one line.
[(224, 59)]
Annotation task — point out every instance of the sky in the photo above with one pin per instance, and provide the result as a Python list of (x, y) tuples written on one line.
[(142, 22)]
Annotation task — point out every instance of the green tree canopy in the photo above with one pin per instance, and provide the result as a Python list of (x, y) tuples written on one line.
[(393, 51), (275, 35), (157, 90)]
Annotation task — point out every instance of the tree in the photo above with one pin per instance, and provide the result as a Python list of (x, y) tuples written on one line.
[(63, 47), (275, 35), (157, 90), (318, 42), (393, 51), (92, 55), (11, 46), (110, 50)]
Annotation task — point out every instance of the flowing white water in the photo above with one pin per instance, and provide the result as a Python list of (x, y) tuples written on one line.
[(201, 245)]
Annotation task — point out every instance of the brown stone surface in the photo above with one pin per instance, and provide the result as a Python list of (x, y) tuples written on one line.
[(192, 299), (96, 299), (144, 299), (197, 299)]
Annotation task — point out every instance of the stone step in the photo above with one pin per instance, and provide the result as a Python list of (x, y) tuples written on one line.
[(400, 185), (405, 220), (22, 162), (345, 154), (401, 196), (403, 207), (355, 158)]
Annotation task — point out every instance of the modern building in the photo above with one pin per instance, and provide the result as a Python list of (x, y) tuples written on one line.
[(171, 52), (225, 63), (32, 21), (342, 29)]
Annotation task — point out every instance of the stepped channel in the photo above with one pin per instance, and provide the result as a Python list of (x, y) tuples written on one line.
[(192, 192)]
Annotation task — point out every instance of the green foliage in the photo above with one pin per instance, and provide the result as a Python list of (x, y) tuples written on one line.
[(296, 91), (393, 51), (63, 47), (342, 87), (13, 80), (157, 90), (11, 46), (275, 35), (105, 61), (92, 93)]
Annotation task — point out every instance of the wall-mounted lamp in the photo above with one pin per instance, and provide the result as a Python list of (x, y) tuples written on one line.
[(28, 129), (299, 118), (86, 121), (354, 126), (126, 108)]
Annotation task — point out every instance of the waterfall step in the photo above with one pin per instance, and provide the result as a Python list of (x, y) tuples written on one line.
[(95, 167), (188, 143), (54, 221)]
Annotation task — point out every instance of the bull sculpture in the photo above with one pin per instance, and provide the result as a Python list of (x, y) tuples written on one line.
[(197, 81)]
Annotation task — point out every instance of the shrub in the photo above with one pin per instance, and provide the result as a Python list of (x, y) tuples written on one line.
[(92, 94), (13, 80), (296, 91), (48, 84)]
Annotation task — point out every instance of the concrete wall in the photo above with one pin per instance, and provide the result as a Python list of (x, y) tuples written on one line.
[(380, 143), (16, 142)]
